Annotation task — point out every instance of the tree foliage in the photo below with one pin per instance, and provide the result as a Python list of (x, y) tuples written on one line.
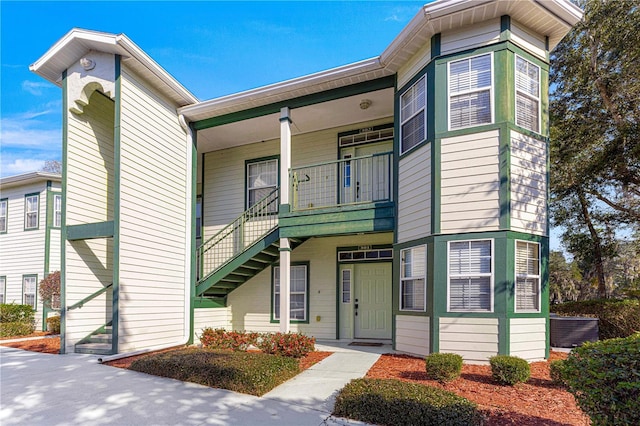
[(52, 166), (49, 289), (595, 133)]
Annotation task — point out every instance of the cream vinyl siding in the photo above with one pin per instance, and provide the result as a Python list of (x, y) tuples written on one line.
[(414, 194), (412, 334), (475, 339), (414, 65), (467, 38), (470, 183), (528, 184), (22, 252), (210, 317), (528, 40), (528, 338), (89, 268), (251, 302), (154, 175), (90, 175)]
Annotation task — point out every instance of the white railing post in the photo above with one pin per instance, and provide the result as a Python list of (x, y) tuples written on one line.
[(285, 285), (285, 154)]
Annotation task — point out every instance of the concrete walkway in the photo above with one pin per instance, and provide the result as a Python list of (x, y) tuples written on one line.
[(73, 389)]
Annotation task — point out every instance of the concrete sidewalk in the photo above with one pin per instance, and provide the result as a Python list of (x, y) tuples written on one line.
[(73, 389)]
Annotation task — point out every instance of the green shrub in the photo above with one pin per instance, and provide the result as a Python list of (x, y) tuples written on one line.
[(443, 367), (10, 312), (53, 324), (617, 318), (557, 372), (252, 373), (393, 402), (21, 328), (294, 345), (509, 370), (604, 377), (222, 339)]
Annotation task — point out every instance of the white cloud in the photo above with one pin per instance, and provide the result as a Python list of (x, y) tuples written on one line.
[(21, 165), (401, 14), (17, 133), (36, 87)]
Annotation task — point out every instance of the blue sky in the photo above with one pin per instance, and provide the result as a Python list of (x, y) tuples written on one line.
[(212, 48)]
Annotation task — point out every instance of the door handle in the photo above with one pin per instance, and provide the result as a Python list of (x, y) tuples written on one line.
[(356, 306)]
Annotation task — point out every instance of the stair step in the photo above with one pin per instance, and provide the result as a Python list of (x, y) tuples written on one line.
[(94, 348), (101, 338)]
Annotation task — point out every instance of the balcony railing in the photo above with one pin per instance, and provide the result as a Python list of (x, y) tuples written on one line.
[(347, 181)]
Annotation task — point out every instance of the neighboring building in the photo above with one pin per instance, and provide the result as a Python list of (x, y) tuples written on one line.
[(401, 198), (30, 221)]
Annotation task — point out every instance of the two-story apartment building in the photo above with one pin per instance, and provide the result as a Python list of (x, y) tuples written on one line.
[(401, 198), (30, 222)]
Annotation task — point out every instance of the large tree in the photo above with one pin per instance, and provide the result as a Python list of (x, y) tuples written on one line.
[(595, 134)]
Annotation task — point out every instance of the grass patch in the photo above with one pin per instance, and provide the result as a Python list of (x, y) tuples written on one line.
[(252, 373), (394, 402)]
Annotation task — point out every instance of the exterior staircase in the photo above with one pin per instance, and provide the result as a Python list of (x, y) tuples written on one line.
[(240, 250), (98, 343)]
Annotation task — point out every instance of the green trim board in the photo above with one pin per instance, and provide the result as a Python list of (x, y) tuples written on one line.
[(116, 205), (307, 264), (316, 98), (89, 231), (6, 215), (63, 229), (34, 228), (505, 27)]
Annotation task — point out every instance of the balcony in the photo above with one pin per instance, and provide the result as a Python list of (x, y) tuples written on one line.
[(351, 195)]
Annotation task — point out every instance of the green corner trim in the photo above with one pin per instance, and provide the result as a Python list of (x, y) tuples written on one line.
[(505, 27), (504, 193), (435, 45)]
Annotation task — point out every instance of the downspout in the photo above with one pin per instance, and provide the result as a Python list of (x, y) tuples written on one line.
[(188, 243)]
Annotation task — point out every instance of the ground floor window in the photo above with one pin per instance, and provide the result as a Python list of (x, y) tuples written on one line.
[(3, 286), (527, 277), (470, 276), (413, 274), (29, 288), (298, 292)]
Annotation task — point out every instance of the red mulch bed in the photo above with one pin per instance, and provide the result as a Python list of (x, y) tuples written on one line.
[(47, 346), (535, 403), (34, 334)]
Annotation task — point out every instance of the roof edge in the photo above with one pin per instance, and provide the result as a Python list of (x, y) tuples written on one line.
[(29, 177)]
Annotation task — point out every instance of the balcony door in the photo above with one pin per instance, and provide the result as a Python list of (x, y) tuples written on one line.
[(365, 179)]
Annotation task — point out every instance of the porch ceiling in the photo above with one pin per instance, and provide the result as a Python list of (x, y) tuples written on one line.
[(325, 115)]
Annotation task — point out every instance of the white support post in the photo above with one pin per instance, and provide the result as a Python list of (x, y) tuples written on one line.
[(285, 154), (285, 285)]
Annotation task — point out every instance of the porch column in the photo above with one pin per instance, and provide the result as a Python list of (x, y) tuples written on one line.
[(285, 248)]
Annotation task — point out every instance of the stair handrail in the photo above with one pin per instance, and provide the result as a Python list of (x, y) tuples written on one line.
[(254, 211), (81, 303)]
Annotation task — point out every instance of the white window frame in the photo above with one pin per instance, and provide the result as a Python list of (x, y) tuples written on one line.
[(28, 212), (528, 276), (4, 215), (344, 290), (404, 279), (57, 210), (451, 94), (34, 293), (528, 95), (421, 109), (305, 293), (491, 275), (249, 188), (3, 289)]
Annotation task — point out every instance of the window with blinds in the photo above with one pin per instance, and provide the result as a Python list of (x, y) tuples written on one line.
[(413, 106), (527, 95), (470, 87), (413, 272), (470, 276), (297, 292), (527, 277)]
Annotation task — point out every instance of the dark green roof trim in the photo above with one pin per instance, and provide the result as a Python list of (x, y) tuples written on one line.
[(505, 27), (435, 45), (316, 98)]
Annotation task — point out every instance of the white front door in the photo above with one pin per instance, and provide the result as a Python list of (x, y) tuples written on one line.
[(372, 301)]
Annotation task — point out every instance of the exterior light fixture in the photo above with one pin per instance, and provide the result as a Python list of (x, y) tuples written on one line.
[(365, 103), (87, 64)]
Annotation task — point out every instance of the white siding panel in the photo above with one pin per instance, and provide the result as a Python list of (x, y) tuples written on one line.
[(528, 184), (210, 317), (528, 40), (470, 37), (414, 195), (412, 334), (475, 339), (250, 303), (528, 338), (470, 183), (154, 183)]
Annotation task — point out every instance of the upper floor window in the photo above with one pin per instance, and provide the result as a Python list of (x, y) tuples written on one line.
[(413, 106), (4, 208), (413, 274), (527, 277), (57, 210), (29, 287), (527, 95), (262, 179), (31, 211), (470, 85), (470, 276)]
